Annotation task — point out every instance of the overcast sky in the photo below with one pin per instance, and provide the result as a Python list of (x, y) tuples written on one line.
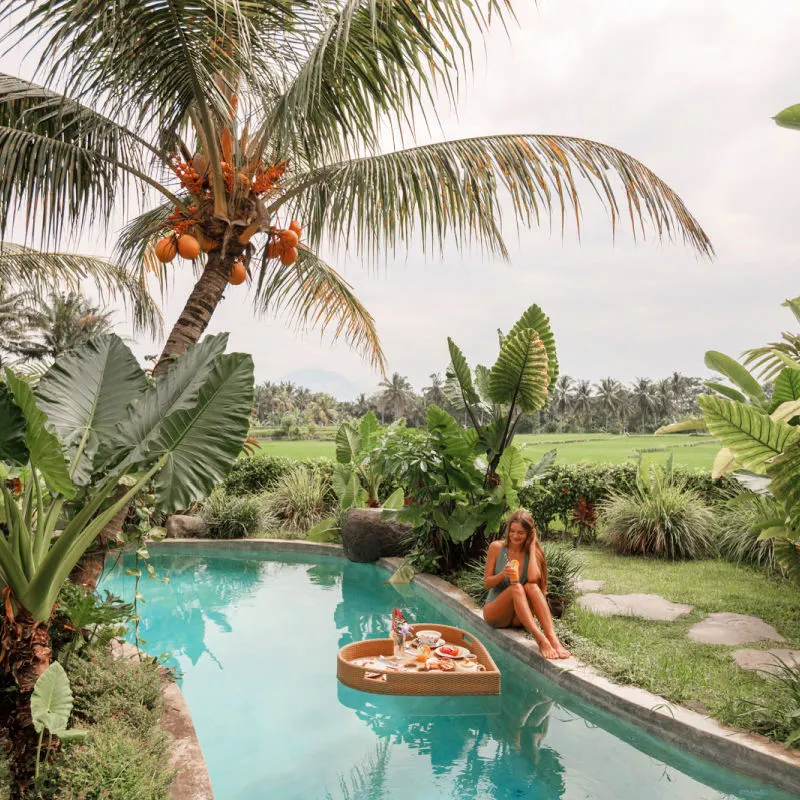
[(688, 87)]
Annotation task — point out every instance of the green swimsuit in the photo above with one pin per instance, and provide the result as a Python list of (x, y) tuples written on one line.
[(502, 560)]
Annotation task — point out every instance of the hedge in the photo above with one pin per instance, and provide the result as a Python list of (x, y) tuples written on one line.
[(258, 473)]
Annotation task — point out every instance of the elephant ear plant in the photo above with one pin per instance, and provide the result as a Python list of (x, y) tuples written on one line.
[(92, 435)]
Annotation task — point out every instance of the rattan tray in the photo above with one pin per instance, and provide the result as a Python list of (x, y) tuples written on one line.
[(413, 682)]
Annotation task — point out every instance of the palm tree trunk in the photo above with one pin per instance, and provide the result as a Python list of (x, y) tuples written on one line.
[(199, 307)]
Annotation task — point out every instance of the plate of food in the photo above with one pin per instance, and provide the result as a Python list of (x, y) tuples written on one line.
[(452, 651)]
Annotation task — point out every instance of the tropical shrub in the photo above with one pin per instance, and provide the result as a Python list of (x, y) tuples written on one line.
[(555, 495), (231, 517), (759, 433), (461, 483), (563, 567), (259, 473), (659, 517), (113, 764), (739, 525), (301, 499)]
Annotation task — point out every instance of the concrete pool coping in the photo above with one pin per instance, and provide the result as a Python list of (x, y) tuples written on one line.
[(700, 735)]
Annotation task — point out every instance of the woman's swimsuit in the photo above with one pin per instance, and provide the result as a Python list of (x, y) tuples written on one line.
[(502, 560)]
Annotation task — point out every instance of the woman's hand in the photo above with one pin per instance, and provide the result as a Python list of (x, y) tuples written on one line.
[(510, 573)]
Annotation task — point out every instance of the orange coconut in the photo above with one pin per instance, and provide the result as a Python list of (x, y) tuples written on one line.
[(289, 238), (289, 256), (238, 273), (188, 246), (166, 249)]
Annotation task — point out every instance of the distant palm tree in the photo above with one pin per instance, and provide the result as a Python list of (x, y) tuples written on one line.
[(583, 400), (282, 400), (64, 322), (16, 312), (397, 395), (434, 394), (610, 400), (562, 399), (644, 400), (323, 409)]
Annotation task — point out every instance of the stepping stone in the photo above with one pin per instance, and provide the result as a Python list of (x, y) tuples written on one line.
[(765, 660), (647, 606), (727, 628), (589, 586)]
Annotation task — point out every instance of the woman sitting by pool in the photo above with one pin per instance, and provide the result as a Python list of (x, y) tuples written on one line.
[(517, 595)]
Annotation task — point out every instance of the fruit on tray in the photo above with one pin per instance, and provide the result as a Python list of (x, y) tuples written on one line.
[(424, 653), (448, 650)]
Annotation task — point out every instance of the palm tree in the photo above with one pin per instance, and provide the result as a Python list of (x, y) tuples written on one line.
[(433, 395), (609, 398), (16, 313), (562, 399), (643, 397), (397, 395), (243, 116), (323, 409), (65, 322), (583, 400)]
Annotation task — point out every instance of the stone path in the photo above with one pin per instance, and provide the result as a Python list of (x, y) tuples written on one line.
[(765, 660), (647, 606), (585, 585), (732, 629)]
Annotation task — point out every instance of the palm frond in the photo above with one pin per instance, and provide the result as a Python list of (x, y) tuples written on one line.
[(455, 188), (368, 64), (43, 272), (141, 62), (313, 294), (61, 162), (773, 357)]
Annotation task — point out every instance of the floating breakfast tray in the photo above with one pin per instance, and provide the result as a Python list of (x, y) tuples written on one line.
[(384, 674)]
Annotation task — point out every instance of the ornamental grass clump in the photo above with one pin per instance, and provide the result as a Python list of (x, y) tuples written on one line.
[(659, 517), (231, 517), (301, 499), (740, 523)]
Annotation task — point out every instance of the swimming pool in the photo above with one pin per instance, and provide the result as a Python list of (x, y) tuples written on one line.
[(255, 636)]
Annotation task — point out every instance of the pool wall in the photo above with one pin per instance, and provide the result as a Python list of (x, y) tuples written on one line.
[(702, 736)]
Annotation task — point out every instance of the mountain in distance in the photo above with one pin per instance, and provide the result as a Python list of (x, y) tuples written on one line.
[(323, 380)]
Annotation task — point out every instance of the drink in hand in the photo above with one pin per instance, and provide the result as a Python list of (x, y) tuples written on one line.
[(514, 564)]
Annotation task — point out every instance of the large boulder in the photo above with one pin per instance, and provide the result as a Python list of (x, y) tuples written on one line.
[(368, 537), (184, 526)]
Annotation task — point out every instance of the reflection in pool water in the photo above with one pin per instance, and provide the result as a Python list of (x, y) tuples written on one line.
[(255, 636)]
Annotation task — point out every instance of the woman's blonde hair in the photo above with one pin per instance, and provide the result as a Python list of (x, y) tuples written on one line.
[(523, 518)]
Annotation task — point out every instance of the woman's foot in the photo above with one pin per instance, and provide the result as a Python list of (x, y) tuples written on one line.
[(546, 650), (561, 651)]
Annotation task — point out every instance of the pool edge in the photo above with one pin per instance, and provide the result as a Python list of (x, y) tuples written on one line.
[(700, 735)]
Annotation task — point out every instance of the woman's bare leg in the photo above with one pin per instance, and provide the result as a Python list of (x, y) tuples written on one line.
[(541, 610), (512, 601)]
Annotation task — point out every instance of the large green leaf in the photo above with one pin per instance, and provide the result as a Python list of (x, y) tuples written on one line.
[(454, 441), (202, 442), (369, 429), (345, 485), (51, 701), (726, 391), (787, 387), (746, 431), (491, 436), (785, 485), (535, 318), (174, 390), (538, 470), (520, 374), (348, 443), (463, 374), (46, 451), (735, 373), (85, 394), (482, 374), (512, 466), (13, 449)]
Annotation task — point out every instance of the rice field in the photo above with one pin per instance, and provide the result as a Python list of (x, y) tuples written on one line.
[(573, 448)]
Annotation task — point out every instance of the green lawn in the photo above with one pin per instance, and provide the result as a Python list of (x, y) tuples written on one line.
[(659, 656), (689, 451)]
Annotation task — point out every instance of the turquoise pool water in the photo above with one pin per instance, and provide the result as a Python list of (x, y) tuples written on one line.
[(255, 637)]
